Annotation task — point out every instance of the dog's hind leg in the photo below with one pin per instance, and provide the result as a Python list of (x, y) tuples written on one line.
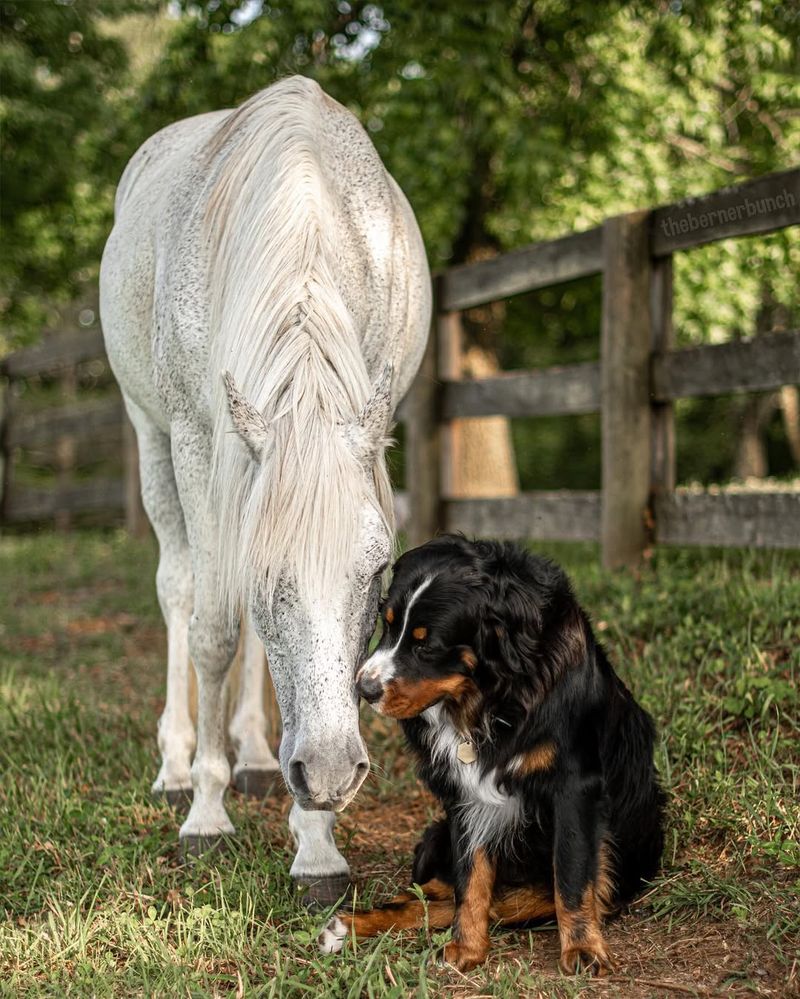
[(522, 905), (405, 911)]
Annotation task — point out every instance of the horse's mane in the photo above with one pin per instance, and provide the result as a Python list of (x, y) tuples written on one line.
[(280, 326)]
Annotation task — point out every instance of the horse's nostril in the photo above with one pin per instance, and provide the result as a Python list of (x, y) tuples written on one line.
[(370, 688), (297, 776), (356, 780)]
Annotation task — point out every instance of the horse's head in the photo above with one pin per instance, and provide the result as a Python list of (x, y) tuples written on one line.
[(316, 636), (314, 654)]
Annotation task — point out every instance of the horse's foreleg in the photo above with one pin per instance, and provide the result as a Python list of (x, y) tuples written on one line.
[(176, 738), (317, 863), (256, 769), (213, 636), (176, 735), (212, 645)]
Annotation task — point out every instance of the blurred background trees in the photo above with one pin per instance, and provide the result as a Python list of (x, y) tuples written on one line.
[(504, 122)]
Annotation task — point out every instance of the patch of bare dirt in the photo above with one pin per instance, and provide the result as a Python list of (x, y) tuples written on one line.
[(653, 956)]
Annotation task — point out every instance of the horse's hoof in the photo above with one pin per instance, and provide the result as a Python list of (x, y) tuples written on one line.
[(202, 846), (179, 798), (258, 783), (325, 890)]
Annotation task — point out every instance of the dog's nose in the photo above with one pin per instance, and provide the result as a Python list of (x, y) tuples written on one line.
[(370, 688)]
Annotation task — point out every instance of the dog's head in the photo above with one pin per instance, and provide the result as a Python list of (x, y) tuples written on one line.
[(464, 621)]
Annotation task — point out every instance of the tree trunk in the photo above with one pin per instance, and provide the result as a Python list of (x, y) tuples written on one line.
[(751, 452), (790, 410), (486, 465)]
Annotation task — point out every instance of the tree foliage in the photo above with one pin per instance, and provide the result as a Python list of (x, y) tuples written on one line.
[(58, 69), (504, 121)]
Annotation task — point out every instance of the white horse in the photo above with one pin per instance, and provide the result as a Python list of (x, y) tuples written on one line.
[(265, 301)]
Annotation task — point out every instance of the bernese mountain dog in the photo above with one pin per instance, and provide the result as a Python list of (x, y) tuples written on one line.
[(538, 752)]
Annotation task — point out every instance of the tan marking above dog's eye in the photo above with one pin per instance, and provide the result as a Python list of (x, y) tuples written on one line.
[(420, 634), (389, 615)]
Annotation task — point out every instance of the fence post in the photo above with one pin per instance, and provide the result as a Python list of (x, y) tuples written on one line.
[(65, 455), (662, 473), (625, 350), (5, 455), (423, 451), (450, 338)]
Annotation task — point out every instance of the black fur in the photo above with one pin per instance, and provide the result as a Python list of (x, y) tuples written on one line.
[(508, 621)]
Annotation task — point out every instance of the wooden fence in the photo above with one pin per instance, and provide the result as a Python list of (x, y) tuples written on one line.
[(69, 437), (633, 386)]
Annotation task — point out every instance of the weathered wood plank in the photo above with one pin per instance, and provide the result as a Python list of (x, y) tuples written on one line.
[(5, 462), (763, 205), (53, 352), (754, 365), (27, 504), (105, 446), (402, 516), (423, 471), (81, 421), (536, 266), (568, 515), (662, 415), (450, 350), (625, 361), (556, 391), (753, 520)]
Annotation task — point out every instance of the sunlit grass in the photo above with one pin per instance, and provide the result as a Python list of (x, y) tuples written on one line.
[(94, 897)]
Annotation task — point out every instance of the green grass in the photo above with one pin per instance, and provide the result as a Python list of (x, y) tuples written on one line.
[(96, 902)]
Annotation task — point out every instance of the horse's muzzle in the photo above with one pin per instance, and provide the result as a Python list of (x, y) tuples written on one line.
[(316, 782)]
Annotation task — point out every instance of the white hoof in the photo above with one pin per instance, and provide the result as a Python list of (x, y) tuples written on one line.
[(206, 821), (332, 938), (172, 779)]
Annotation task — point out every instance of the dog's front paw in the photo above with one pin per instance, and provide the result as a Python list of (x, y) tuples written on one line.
[(462, 957), (332, 938), (585, 960)]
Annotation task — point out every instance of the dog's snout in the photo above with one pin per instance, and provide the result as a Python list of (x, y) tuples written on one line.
[(370, 688)]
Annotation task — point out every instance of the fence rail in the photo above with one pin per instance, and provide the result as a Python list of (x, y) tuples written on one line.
[(66, 438), (54, 353), (633, 386), (754, 365), (574, 388)]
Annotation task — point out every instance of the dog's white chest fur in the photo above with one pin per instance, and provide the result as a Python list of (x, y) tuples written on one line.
[(488, 814)]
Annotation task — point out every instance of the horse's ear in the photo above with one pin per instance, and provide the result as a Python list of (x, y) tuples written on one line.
[(250, 424), (369, 432)]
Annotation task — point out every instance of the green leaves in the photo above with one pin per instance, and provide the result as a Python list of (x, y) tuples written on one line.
[(59, 69)]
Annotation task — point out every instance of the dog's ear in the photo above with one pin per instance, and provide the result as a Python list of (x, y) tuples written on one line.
[(508, 627), (519, 634), (568, 641)]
